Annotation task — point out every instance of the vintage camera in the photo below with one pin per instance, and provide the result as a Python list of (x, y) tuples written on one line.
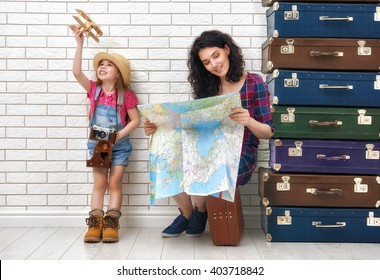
[(103, 134)]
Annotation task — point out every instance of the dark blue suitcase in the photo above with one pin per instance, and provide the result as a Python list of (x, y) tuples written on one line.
[(325, 156), (320, 88), (314, 20), (267, 3), (301, 224)]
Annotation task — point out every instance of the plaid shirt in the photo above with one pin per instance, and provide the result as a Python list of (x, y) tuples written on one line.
[(255, 98)]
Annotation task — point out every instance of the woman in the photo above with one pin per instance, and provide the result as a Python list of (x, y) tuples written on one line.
[(217, 67)]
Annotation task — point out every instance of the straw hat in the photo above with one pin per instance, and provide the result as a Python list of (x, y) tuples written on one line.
[(120, 61)]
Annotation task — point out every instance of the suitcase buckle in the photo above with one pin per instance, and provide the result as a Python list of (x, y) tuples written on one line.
[(297, 151), (291, 82), (364, 120), (376, 85), (359, 187), (293, 14), (289, 117), (372, 221), (285, 185), (377, 14), (362, 50), (370, 153), (285, 220), (289, 48)]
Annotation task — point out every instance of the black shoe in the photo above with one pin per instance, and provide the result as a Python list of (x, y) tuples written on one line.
[(178, 226), (197, 223)]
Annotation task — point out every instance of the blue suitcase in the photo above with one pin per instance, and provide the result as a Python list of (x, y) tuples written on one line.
[(320, 88), (267, 3), (314, 20), (325, 156), (301, 224)]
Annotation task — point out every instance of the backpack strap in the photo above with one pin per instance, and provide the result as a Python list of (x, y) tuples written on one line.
[(97, 92), (96, 97)]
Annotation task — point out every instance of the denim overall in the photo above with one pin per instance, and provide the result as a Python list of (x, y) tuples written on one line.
[(105, 116)]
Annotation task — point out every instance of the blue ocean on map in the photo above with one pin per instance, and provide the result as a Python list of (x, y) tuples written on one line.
[(215, 179), (208, 133)]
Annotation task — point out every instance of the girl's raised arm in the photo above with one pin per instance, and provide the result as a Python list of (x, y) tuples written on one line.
[(77, 64)]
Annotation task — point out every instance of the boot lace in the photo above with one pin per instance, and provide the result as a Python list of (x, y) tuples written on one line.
[(93, 221), (111, 222)]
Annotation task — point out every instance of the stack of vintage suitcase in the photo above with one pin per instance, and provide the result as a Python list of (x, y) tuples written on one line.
[(323, 61)]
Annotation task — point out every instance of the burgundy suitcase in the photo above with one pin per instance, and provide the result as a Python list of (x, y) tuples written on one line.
[(318, 190), (267, 3), (325, 156), (321, 54), (225, 220)]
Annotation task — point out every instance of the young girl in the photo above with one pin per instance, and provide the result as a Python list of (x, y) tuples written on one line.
[(113, 78), (217, 67)]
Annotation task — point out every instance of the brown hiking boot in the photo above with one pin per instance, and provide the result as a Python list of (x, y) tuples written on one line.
[(111, 226), (95, 226)]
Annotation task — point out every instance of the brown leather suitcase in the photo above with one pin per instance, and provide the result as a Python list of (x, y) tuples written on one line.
[(226, 220), (267, 3), (321, 54), (318, 190)]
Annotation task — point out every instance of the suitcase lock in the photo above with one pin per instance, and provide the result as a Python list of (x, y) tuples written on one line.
[(285, 220), (289, 117), (359, 187), (362, 49), (372, 221), (293, 14), (364, 120), (285, 185), (289, 48), (370, 153)]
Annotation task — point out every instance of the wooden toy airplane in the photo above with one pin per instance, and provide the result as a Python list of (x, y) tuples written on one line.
[(87, 26)]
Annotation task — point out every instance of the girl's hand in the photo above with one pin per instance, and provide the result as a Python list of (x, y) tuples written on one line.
[(149, 128), (78, 34), (241, 116)]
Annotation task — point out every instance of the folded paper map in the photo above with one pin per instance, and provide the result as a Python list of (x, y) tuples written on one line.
[(196, 147)]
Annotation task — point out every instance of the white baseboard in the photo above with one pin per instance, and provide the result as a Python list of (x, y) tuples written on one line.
[(145, 218)]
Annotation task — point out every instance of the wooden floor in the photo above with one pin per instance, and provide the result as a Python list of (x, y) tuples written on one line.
[(147, 244)]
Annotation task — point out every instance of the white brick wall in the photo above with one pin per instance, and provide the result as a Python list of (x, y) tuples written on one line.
[(43, 110)]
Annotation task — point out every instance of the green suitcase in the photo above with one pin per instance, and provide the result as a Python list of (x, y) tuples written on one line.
[(326, 122)]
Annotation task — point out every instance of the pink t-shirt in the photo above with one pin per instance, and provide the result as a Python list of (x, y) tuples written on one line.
[(130, 101)]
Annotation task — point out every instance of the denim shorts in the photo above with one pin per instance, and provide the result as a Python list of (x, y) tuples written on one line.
[(120, 152)]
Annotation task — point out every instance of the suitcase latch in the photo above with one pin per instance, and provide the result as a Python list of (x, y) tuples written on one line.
[(364, 120), (289, 117), (376, 85), (359, 187), (377, 14), (370, 153), (297, 151), (291, 82), (284, 220), (362, 50), (293, 14), (285, 185), (372, 221), (289, 48)]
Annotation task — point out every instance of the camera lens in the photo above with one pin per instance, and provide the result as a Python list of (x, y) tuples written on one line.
[(102, 134)]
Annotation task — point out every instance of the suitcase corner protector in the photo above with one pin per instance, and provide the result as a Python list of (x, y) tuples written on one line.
[(268, 237)]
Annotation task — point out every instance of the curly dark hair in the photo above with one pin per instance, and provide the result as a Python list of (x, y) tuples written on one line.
[(203, 83)]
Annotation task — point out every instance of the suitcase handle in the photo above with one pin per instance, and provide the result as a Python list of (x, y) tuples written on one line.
[(326, 86), (326, 123), (342, 157), (319, 53), (319, 225), (327, 18), (315, 191)]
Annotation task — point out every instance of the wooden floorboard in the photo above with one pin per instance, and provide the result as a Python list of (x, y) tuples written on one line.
[(147, 244)]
